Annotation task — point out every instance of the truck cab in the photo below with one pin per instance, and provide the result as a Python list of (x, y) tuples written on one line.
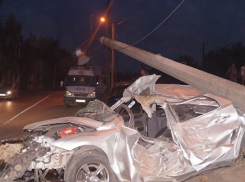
[(80, 86)]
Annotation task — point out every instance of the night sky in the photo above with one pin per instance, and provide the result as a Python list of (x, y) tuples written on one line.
[(217, 23)]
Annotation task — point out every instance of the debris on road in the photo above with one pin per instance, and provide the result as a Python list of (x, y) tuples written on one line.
[(204, 178), (7, 151)]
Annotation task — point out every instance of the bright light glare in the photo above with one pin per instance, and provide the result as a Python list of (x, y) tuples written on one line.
[(102, 19)]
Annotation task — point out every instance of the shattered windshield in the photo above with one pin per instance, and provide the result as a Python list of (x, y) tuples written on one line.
[(97, 110)]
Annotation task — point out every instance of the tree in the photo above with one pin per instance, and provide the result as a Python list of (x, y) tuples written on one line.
[(10, 42), (218, 61), (44, 63), (1, 1), (188, 60)]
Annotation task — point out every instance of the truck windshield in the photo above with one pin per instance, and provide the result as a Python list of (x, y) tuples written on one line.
[(80, 80)]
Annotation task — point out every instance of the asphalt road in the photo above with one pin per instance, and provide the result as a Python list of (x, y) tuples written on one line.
[(31, 107)]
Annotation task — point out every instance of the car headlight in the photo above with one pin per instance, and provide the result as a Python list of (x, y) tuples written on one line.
[(8, 92), (92, 94), (68, 93)]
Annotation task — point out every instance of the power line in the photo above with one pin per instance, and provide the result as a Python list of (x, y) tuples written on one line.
[(131, 13), (154, 28), (159, 24)]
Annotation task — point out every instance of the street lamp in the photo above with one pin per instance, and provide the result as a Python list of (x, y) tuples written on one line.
[(102, 19)]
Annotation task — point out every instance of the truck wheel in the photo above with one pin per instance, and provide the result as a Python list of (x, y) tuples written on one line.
[(89, 166), (66, 104)]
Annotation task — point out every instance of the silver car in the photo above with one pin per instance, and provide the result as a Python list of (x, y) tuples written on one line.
[(181, 133)]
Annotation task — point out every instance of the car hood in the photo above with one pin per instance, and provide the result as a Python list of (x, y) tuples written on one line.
[(76, 120)]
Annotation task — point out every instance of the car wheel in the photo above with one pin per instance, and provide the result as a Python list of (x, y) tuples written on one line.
[(89, 166)]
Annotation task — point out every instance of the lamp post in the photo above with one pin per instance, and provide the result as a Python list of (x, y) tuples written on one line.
[(112, 65), (112, 56), (108, 32)]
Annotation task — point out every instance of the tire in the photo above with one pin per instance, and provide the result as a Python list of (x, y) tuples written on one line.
[(66, 105), (82, 168)]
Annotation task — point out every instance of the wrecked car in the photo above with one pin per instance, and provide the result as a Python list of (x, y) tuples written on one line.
[(183, 132)]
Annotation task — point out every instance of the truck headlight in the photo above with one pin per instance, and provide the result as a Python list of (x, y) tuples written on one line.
[(92, 94), (68, 93)]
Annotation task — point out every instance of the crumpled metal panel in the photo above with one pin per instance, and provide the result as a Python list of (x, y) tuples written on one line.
[(146, 103), (124, 163), (198, 145), (205, 142), (159, 159), (176, 92), (141, 159), (211, 138), (144, 86)]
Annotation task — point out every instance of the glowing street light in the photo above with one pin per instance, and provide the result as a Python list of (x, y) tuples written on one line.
[(102, 19)]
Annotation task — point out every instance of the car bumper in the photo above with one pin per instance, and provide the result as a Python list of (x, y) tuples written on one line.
[(5, 96), (77, 100)]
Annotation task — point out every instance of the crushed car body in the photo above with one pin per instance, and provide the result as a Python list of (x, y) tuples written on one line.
[(183, 132)]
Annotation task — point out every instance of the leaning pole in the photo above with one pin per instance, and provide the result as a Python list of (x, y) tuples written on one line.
[(201, 80)]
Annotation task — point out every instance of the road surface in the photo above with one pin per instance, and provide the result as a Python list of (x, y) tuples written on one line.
[(31, 107)]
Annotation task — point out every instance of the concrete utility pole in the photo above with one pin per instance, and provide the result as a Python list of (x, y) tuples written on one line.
[(108, 34), (112, 56), (199, 79)]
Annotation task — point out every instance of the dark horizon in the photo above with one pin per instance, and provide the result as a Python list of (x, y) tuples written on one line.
[(217, 24)]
